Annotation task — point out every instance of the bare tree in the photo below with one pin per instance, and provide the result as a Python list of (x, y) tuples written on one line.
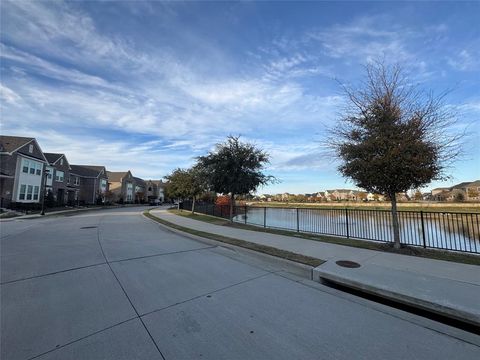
[(393, 137)]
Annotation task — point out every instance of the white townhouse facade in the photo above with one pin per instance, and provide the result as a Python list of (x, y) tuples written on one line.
[(22, 165)]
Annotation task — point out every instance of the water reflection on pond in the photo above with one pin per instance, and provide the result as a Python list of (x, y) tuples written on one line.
[(453, 231)]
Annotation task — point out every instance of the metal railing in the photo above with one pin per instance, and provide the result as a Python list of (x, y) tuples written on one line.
[(455, 231)]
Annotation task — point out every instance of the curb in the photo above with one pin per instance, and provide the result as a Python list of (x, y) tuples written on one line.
[(298, 269), (62, 212), (322, 275)]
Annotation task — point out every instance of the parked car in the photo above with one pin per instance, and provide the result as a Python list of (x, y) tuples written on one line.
[(155, 202)]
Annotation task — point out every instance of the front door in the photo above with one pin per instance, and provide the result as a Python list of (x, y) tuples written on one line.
[(61, 197)]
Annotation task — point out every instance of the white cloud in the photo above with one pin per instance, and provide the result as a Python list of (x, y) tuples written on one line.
[(365, 39), (8, 95), (466, 60), (61, 30), (35, 65)]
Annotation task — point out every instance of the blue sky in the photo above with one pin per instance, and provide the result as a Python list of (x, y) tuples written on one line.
[(147, 86)]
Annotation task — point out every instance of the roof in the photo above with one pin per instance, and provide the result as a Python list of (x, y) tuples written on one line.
[(52, 157), (157, 182), (116, 176), (461, 185), (12, 143), (98, 168), (139, 180), (86, 170), (474, 183), (340, 190)]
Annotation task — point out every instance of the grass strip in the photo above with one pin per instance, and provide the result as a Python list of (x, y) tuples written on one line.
[(363, 244), (283, 254)]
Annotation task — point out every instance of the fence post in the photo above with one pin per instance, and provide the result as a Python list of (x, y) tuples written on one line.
[(346, 221), (265, 217), (245, 214), (423, 230), (298, 222)]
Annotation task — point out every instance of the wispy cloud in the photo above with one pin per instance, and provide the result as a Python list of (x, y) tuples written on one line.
[(8, 95), (367, 38), (161, 83), (466, 60)]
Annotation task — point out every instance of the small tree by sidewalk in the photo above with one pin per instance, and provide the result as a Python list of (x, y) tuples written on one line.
[(187, 183), (393, 137), (235, 168)]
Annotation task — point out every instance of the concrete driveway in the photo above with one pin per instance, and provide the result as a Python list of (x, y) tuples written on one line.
[(114, 285)]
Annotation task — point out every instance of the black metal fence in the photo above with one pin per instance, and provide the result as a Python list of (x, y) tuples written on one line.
[(441, 230)]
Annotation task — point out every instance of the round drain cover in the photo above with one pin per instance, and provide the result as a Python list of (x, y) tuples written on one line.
[(347, 264)]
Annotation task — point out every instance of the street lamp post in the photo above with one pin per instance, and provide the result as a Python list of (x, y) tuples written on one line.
[(44, 191)]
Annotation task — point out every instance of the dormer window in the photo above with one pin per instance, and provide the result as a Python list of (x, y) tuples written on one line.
[(30, 148)]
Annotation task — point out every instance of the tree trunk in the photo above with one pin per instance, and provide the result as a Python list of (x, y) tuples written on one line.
[(232, 204), (396, 228), (193, 205)]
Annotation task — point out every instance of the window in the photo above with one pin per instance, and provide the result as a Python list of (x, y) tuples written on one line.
[(25, 166), (36, 190), (21, 196), (61, 161), (29, 192), (77, 180), (32, 169), (59, 175), (38, 168), (30, 148), (103, 184)]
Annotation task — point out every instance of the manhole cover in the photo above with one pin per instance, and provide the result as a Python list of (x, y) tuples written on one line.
[(347, 264), (88, 227)]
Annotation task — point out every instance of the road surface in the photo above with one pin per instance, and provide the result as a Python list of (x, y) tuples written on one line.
[(111, 284)]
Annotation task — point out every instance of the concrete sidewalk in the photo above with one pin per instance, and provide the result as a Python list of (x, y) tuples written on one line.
[(448, 288), (66, 211)]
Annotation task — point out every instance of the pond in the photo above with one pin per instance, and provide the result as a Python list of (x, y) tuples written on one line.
[(452, 231)]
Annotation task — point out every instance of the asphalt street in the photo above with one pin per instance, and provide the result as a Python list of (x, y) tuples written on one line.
[(112, 284)]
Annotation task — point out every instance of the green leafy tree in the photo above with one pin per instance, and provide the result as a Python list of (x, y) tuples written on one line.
[(235, 168), (459, 197), (187, 184), (393, 137)]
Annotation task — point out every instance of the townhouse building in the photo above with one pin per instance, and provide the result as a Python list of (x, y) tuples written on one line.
[(27, 174), (155, 191), (64, 186), (122, 186), (469, 190), (140, 190), (339, 194), (22, 165), (92, 182)]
